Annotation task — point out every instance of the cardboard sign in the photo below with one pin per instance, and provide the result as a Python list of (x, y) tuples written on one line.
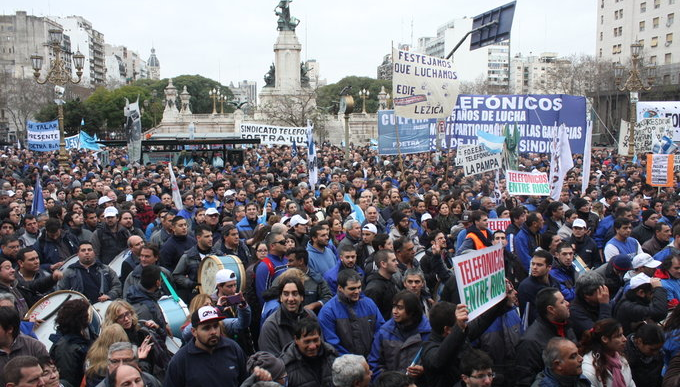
[(650, 131), (480, 275), (525, 183), (477, 159), (660, 170), (667, 109)]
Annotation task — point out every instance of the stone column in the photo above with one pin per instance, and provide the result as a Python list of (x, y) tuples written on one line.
[(287, 53)]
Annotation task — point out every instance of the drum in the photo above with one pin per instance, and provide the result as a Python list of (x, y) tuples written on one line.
[(70, 261), (211, 264), (99, 315), (420, 255), (117, 263), (175, 314), (173, 344), (46, 309)]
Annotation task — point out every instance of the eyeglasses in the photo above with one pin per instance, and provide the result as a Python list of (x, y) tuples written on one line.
[(123, 316), (281, 242), (483, 376)]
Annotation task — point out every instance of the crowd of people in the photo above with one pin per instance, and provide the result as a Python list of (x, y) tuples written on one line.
[(346, 281)]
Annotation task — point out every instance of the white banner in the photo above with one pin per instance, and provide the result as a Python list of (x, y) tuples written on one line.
[(650, 131), (623, 138), (423, 86), (586, 160), (561, 162), (480, 275), (661, 109), (274, 135), (476, 159)]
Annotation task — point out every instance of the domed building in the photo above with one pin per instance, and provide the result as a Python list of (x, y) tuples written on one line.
[(154, 66)]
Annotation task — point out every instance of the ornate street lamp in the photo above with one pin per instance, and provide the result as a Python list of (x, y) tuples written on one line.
[(215, 95), (59, 76), (363, 93), (634, 84)]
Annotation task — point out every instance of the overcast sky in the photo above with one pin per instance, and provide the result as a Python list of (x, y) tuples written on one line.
[(230, 40)]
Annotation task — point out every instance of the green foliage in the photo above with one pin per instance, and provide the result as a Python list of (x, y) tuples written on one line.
[(74, 112), (110, 103), (198, 87), (329, 95)]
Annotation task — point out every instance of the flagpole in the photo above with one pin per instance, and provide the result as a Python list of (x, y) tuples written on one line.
[(396, 130)]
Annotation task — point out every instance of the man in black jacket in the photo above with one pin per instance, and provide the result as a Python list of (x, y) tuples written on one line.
[(379, 285), (646, 299), (552, 321), (308, 359), (451, 336), (591, 303), (584, 246), (539, 278), (645, 230)]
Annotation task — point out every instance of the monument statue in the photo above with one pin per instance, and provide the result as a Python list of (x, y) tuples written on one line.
[(270, 76), (511, 142), (304, 78), (285, 22)]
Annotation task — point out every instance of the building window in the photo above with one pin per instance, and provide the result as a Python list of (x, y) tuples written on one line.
[(655, 22), (601, 3), (641, 42), (616, 32), (667, 58), (655, 41), (667, 79), (620, 31), (643, 7), (657, 4), (601, 34), (670, 19), (601, 19), (669, 39), (652, 60), (614, 49), (600, 53), (642, 26)]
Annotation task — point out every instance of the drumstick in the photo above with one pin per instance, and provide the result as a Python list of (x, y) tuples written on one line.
[(68, 297)]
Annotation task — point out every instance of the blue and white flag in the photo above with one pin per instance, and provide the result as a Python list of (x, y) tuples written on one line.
[(38, 206), (88, 142), (312, 168), (492, 143), (42, 136), (262, 219), (356, 210), (82, 121), (294, 150), (561, 162), (176, 196)]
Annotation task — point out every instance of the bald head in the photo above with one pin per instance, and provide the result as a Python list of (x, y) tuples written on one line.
[(135, 244)]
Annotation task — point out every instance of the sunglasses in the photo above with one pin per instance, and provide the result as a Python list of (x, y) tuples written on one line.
[(281, 242)]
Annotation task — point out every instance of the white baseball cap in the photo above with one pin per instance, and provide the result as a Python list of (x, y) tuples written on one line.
[(212, 211), (579, 223), (103, 200), (370, 228), (646, 260), (205, 314), (224, 275), (110, 212), (639, 280), (425, 217), (298, 219)]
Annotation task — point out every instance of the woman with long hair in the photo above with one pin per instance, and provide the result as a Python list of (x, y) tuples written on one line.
[(336, 231), (445, 220), (643, 352), (97, 358), (432, 203), (603, 362), (140, 334)]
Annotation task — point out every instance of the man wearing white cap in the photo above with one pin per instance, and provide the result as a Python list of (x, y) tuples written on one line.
[(299, 229), (643, 263), (585, 247), (110, 238), (646, 299), (208, 359), (105, 202), (365, 247)]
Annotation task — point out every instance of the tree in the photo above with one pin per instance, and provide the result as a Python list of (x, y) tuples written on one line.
[(75, 112), (328, 95), (481, 86), (22, 98)]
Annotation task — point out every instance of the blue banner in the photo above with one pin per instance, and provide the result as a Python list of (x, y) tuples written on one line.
[(72, 142), (537, 117), (414, 135), (42, 136)]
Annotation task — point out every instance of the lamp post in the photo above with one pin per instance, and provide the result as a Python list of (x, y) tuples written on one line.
[(59, 76), (215, 95), (223, 98), (363, 93), (633, 85)]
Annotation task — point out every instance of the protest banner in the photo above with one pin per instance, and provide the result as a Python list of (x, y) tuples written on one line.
[(661, 109), (560, 162), (423, 86), (42, 136), (623, 137), (133, 130), (274, 135), (72, 142), (660, 170), (536, 117), (480, 275), (676, 164), (498, 224), (414, 135), (477, 159), (651, 131), (525, 183)]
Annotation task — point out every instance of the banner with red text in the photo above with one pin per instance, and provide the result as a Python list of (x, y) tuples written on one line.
[(498, 224), (480, 275)]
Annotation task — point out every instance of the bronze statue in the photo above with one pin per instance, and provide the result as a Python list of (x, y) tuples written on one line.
[(285, 22), (304, 78), (511, 144), (270, 76)]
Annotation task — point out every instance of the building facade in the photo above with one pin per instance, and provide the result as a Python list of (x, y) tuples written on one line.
[(90, 43), (531, 74), (154, 65), (135, 66), (649, 22)]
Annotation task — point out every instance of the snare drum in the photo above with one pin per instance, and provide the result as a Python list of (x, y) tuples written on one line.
[(46, 309), (99, 315), (211, 264), (420, 255), (70, 261), (117, 263), (175, 313)]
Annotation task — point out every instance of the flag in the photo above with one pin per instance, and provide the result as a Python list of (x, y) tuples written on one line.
[(587, 150), (133, 130), (262, 219), (38, 206), (176, 196), (560, 162), (82, 121), (312, 168), (88, 142), (492, 143), (358, 212), (293, 150)]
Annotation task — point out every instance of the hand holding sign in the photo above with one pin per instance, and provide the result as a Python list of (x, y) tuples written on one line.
[(461, 316)]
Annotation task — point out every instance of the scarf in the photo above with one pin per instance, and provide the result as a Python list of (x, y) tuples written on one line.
[(560, 327), (615, 366)]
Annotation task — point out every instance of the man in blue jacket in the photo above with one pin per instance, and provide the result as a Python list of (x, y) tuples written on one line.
[(527, 239), (563, 270), (209, 359), (350, 320)]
